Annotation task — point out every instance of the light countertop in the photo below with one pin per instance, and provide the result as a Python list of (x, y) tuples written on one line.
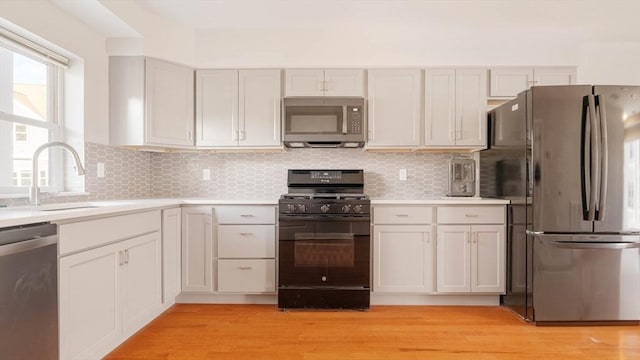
[(21, 215)]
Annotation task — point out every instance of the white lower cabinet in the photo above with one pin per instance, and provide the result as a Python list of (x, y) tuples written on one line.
[(171, 254), (229, 249), (402, 249), (403, 258), (470, 258), (246, 249), (197, 250), (108, 293)]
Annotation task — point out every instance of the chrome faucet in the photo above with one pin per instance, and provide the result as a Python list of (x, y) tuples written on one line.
[(34, 195)]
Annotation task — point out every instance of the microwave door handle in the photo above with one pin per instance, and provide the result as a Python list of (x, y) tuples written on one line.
[(344, 119)]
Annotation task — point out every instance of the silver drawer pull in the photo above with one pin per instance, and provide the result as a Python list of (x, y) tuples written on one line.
[(246, 234), (402, 215), (247, 215), (471, 215), (245, 267)]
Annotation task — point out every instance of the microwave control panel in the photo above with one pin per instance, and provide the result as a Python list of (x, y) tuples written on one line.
[(354, 120)]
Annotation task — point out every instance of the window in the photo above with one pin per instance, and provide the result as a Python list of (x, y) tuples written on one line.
[(30, 98)]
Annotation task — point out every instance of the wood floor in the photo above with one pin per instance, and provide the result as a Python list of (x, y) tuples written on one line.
[(385, 332)]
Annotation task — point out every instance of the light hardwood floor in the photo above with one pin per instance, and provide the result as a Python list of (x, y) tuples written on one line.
[(384, 332)]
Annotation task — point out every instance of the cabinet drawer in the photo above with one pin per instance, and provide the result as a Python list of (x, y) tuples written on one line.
[(246, 214), (402, 214), (471, 215), (92, 233), (248, 276), (246, 241)]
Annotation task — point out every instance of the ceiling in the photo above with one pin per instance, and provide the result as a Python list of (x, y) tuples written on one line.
[(607, 20)]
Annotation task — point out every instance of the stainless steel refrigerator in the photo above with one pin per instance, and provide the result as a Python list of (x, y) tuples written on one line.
[(569, 159)]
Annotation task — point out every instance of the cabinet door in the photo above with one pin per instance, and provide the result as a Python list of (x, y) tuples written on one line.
[(259, 116), (171, 249), (197, 257), (304, 82), (453, 259), (471, 107), (169, 103), (509, 82), (394, 107), (488, 258), (90, 321), (440, 107), (403, 259), (217, 108), (344, 82), (141, 281), (554, 76)]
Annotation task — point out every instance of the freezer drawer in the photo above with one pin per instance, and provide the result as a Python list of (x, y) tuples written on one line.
[(586, 278)]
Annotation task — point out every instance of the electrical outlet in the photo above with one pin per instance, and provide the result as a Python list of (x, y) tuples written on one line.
[(206, 174), (100, 170), (403, 174)]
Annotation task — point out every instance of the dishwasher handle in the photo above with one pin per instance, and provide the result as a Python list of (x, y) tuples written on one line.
[(22, 246)]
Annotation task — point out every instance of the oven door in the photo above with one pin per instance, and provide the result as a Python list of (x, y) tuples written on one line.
[(324, 252)]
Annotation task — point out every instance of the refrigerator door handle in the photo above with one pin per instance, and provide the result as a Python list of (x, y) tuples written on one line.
[(585, 155), (594, 196), (602, 115), (595, 245)]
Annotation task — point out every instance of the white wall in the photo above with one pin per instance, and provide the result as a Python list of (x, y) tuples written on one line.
[(616, 63), (51, 24), (384, 46)]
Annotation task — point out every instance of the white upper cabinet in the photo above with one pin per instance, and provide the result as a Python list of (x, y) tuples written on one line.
[(150, 102), (238, 108), (324, 82), (394, 107), (455, 107), (508, 82)]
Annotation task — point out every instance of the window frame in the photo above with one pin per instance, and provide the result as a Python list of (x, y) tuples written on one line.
[(53, 124)]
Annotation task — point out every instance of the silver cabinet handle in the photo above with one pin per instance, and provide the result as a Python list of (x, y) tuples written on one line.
[(241, 134), (247, 215), (246, 233), (402, 215), (120, 258), (126, 256), (471, 215), (245, 267)]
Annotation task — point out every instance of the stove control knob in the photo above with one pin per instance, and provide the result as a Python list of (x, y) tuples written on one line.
[(291, 208), (346, 208), (324, 208), (357, 209), (302, 208)]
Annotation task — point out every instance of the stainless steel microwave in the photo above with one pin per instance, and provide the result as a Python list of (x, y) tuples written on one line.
[(323, 122)]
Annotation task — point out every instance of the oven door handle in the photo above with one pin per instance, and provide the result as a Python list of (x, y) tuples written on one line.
[(323, 236), (363, 218)]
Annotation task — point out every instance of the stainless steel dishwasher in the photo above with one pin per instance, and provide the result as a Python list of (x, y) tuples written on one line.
[(29, 292)]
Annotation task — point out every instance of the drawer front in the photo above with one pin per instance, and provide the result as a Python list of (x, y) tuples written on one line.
[(92, 233), (402, 214), (246, 241), (247, 276), (471, 215), (245, 214)]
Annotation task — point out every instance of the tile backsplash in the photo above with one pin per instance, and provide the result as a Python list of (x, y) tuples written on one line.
[(264, 175), (131, 174)]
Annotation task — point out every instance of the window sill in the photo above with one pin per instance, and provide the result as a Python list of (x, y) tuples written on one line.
[(45, 195)]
